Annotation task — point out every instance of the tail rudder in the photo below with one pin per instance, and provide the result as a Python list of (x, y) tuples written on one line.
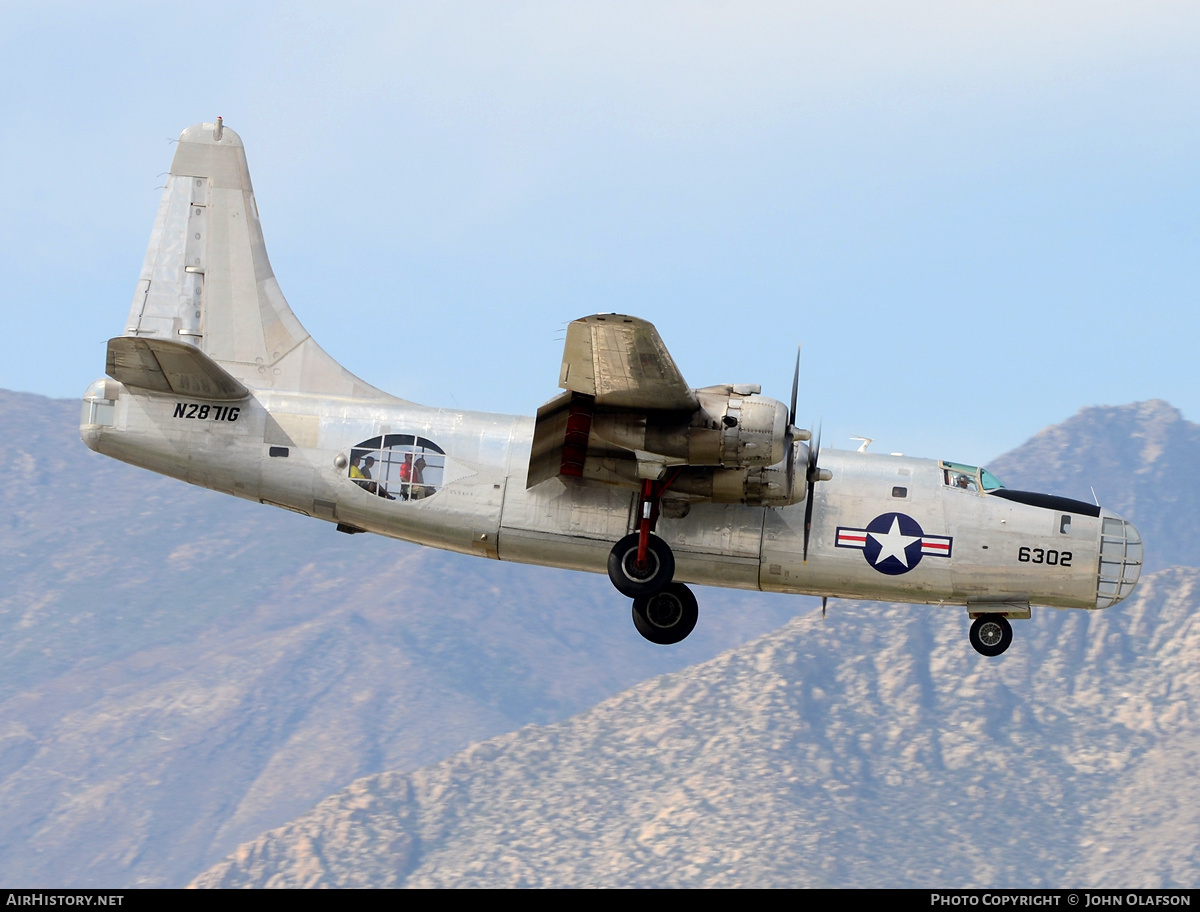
[(207, 281)]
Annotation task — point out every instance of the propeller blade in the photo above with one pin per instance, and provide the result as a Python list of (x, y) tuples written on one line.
[(795, 389), (811, 475), (814, 454), (790, 440), (790, 450)]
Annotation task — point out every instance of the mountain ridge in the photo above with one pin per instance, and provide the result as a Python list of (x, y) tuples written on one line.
[(185, 670), (866, 750)]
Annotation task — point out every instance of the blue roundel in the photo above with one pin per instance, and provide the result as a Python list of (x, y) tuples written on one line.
[(893, 543)]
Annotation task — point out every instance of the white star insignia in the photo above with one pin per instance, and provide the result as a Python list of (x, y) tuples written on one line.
[(893, 543)]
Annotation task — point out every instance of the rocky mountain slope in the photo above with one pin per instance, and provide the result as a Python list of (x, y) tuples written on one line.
[(1142, 460), (869, 749), (184, 670)]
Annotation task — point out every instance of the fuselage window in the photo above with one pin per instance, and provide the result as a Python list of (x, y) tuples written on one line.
[(1064, 524), (398, 467), (899, 491)]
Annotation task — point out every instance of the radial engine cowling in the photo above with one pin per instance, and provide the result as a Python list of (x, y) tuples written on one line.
[(760, 487), (742, 430), (731, 430)]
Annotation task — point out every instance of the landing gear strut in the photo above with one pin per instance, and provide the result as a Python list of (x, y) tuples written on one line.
[(642, 567), (642, 564), (991, 634)]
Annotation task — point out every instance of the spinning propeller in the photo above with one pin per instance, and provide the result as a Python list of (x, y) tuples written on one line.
[(812, 473), (789, 439)]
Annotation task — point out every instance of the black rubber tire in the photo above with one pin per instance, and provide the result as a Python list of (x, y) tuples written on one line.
[(624, 574), (991, 634), (666, 617)]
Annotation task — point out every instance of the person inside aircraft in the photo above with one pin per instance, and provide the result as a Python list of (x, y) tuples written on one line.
[(419, 488), (406, 476), (367, 465), (966, 482), (373, 486), (356, 472), (969, 478), (397, 466)]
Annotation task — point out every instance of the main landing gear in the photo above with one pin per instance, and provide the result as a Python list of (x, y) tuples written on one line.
[(638, 569), (666, 617), (642, 567), (991, 634)]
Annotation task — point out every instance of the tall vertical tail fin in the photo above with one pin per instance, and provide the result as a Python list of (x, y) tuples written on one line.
[(207, 282)]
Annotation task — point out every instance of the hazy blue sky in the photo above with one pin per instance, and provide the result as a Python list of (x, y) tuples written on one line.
[(978, 218)]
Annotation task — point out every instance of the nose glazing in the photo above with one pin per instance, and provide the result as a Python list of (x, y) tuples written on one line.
[(1120, 560)]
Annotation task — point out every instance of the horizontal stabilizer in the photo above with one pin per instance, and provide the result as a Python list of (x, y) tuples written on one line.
[(164, 366)]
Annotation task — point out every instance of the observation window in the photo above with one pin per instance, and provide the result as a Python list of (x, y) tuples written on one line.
[(398, 466)]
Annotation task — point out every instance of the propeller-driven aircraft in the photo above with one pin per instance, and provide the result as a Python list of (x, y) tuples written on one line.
[(629, 470)]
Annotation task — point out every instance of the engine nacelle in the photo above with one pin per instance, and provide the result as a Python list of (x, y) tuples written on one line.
[(732, 449), (763, 487), (743, 430), (733, 428)]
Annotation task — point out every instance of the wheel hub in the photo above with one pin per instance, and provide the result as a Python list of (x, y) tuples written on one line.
[(635, 571), (990, 634), (664, 610)]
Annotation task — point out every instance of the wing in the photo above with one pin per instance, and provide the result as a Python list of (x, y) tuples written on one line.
[(628, 417), (623, 363), (618, 364)]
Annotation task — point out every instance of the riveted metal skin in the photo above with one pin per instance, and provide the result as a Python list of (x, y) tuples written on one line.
[(214, 381)]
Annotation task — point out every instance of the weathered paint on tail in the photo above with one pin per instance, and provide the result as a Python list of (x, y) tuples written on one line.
[(207, 280)]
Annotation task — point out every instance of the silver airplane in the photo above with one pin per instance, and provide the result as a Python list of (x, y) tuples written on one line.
[(628, 471)]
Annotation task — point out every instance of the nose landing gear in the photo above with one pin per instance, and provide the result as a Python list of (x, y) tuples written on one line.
[(991, 634)]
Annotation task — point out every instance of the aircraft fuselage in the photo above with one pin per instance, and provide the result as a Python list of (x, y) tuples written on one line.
[(629, 470), (884, 527)]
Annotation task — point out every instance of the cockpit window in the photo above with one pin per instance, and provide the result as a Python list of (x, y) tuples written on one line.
[(968, 477)]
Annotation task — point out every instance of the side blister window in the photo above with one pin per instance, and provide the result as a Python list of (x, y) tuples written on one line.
[(398, 467)]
